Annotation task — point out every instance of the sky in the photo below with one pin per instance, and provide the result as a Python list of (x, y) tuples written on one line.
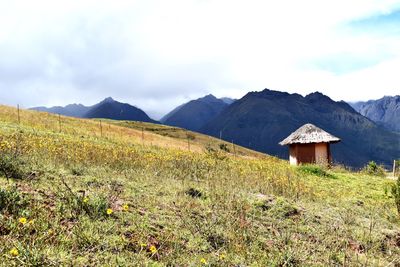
[(157, 54)]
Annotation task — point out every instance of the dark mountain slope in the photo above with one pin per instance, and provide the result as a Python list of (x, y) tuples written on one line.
[(171, 113), (384, 111), (106, 109), (196, 113), (111, 109), (260, 120)]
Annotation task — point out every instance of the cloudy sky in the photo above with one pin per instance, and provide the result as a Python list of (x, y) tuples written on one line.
[(156, 54)]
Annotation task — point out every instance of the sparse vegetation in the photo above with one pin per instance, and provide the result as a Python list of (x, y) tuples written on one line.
[(396, 194), (374, 169), (315, 170), (117, 200)]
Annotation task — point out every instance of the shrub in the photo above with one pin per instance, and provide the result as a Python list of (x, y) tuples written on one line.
[(374, 169), (396, 194), (78, 170), (11, 166), (224, 147), (314, 170), (194, 193), (209, 148), (73, 205), (12, 201), (94, 206)]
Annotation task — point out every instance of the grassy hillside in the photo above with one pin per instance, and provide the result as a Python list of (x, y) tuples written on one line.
[(82, 198)]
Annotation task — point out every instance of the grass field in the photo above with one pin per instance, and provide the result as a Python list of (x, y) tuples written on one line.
[(74, 193)]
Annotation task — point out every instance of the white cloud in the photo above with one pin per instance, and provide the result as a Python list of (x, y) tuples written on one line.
[(157, 53)]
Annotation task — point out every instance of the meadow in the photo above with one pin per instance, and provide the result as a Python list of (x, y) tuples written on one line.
[(77, 192)]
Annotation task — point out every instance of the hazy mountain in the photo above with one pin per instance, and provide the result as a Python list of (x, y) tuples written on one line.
[(106, 109), (196, 113), (228, 100), (384, 111), (260, 120), (72, 110)]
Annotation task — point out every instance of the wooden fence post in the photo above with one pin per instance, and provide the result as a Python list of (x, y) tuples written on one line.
[(394, 168), (59, 122), (234, 148), (19, 118)]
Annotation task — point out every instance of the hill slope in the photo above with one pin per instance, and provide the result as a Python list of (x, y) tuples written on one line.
[(260, 120), (78, 198), (196, 113), (384, 111)]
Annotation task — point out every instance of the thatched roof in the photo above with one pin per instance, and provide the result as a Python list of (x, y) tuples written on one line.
[(309, 133)]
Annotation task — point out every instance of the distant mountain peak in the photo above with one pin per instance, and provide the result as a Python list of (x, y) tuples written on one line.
[(108, 100), (107, 109), (208, 98), (196, 113), (316, 94), (267, 91)]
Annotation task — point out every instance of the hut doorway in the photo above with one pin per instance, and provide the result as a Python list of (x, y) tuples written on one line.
[(305, 153)]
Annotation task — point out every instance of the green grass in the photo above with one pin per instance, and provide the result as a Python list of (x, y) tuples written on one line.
[(174, 207)]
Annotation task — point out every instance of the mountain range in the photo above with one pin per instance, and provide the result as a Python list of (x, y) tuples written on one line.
[(196, 113), (106, 109), (384, 111), (260, 120)]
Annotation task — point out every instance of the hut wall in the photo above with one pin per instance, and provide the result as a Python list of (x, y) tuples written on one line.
[(321, 153), (293, 154)]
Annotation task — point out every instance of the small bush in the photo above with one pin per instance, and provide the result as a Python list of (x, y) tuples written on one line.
[(209, 149), (11, 201), (78, 170), (11, 166), (396, 194), (73, 205), (194, 193), (314, 170), (374, 169), (224, 147)]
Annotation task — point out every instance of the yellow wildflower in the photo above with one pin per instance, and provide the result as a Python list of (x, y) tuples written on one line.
[(203, 261), (153, 249), (143, 245), (14, 252), (85, 200), (125, 207), (222, 256), (22, 220), (109, 211)]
